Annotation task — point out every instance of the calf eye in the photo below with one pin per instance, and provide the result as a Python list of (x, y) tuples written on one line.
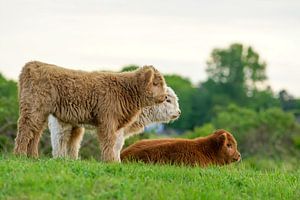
[(155, 83), (168, 100)]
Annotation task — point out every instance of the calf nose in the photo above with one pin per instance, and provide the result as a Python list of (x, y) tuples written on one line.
[(239, 157)]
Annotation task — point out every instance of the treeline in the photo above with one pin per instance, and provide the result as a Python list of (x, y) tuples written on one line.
[(234, 97), (236, 75)]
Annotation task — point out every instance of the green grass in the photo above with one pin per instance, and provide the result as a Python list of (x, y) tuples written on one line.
[(22, 178)]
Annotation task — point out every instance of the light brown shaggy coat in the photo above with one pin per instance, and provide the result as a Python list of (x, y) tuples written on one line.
[(109, 101), (219, 148)]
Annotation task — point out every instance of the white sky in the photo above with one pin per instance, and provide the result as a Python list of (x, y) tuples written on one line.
[(175, 36)]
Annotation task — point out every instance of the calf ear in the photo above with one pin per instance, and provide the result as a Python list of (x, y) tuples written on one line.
[(147, 75), (221, 138)]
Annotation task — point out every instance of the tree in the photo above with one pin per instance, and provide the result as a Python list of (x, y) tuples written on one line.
[(287, 101), (262, 100), (237, 69)]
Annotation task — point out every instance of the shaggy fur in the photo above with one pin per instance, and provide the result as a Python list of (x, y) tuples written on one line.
[(66, 139), (219, 148), (109, 101)]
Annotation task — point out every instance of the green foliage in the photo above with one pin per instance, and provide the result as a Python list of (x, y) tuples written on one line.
[(234, 74), (296, 140), (22, 178), (261, 100), (8, 101), (142, 136), (237, 65), (289, 103), (240, 120), (277, 121), (6, 144), (8, 113), (7, 87), (235, 119), (90, 148), (128, 68), (188, 100), (258, 164), (201, 131)]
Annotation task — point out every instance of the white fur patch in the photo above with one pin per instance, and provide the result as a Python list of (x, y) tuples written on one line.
[(60, 135)]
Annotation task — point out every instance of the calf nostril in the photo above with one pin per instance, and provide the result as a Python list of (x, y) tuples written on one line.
[(179, 112), (166, 97)]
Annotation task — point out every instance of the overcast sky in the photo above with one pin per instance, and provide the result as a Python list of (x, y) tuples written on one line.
[(175, 36)]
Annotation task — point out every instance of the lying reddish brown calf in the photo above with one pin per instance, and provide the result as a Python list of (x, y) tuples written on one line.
[(219, 148)]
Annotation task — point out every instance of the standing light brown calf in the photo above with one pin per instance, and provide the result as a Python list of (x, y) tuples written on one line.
[(219, 148), (109, 101)]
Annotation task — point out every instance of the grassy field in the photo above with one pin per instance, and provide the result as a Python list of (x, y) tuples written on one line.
[(22, 178)]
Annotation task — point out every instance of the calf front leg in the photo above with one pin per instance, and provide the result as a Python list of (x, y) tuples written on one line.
[(107, 139)]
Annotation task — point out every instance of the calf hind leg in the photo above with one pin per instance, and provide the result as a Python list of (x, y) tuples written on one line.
[(75, 142), (30, 128)]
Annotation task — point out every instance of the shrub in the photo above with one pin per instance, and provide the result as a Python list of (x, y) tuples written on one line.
[(201, 131)]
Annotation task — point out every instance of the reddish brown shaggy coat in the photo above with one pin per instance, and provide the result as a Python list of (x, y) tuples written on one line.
[(109, 101), (219, 148)]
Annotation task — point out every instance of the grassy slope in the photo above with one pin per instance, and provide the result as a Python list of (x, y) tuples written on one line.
[(22, 178)]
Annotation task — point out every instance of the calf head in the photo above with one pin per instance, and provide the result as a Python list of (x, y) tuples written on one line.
[(227, 147), (152, 84), (168, 110)]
